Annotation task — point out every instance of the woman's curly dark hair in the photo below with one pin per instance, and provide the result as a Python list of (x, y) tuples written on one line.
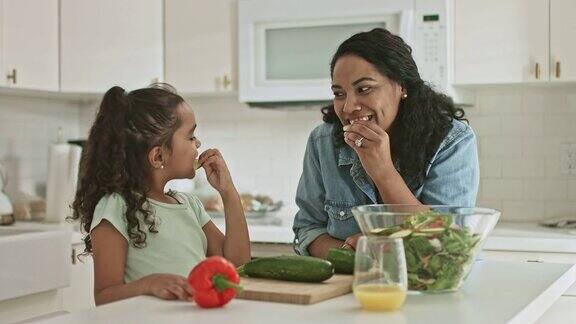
[(424, 117), (115, 160)]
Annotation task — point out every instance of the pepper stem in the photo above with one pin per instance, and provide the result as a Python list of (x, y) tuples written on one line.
[(222, 283)]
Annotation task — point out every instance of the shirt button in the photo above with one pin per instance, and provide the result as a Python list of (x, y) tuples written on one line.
[(342, 213)]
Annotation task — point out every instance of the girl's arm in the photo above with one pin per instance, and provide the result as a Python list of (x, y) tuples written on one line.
[(235, 245), (109, 253)]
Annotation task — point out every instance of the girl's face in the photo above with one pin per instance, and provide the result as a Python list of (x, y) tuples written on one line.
[(181, 159), (362, 93)]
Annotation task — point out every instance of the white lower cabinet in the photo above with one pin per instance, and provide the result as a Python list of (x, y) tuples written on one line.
[(80, 294)]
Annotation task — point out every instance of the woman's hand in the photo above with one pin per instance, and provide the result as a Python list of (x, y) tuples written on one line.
[(167, 286), (352, 241), (216, 170), (374, 149)]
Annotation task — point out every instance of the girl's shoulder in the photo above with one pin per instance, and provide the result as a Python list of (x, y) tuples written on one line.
[(194, 204), (113, 200), (187, 198), (111, 207)]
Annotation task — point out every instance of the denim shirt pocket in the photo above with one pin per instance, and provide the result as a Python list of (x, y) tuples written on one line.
[(339, 210)]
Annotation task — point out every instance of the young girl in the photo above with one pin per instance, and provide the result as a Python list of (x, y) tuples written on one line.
[(144, 241)]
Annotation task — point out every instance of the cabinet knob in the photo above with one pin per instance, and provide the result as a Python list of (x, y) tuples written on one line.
[(558, 69), (226, 81), (12, 76), (537, 71)]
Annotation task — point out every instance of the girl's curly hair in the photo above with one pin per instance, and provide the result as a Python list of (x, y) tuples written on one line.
[(424, 118), (115, 160)]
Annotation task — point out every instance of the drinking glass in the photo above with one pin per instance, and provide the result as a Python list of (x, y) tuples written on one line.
[(380, 277)]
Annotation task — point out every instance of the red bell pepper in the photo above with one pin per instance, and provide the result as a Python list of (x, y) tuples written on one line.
[(214, 282)]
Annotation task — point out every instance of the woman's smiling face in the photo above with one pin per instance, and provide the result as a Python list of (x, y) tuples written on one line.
[(362, 93)]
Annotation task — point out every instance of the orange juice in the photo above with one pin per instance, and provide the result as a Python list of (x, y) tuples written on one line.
[(379, 296)]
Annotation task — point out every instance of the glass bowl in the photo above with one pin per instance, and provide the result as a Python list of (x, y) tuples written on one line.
[(440, 242)]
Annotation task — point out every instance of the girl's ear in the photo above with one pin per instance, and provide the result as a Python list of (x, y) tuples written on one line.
[(156, 158)]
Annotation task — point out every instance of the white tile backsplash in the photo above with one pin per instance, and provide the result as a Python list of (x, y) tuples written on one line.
[(519, 130), (28, 126), (502, 188), (263, 147), (523, 168)]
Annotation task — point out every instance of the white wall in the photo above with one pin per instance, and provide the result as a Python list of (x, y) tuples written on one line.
[(27, 128)]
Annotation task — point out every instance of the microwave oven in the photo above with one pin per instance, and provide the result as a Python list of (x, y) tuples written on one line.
[(285, 46)]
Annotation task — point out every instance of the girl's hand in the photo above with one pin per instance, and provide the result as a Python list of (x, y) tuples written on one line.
[(374, 151), (217, 172), (168, 286)]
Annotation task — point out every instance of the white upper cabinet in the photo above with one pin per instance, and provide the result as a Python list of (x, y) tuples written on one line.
[(200, 39), (30, 44), (499, 41), (562, 40), (108, 42)]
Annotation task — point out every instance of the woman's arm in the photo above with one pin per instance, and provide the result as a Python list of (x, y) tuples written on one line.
[(393, 189), (320, 246), (109, 253), (376, 159), (311, 220), (235, 245)]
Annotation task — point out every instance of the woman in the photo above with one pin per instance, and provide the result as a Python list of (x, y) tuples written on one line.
[(387, 138)]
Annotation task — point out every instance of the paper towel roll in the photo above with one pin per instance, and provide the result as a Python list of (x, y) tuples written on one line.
[(63, 165)]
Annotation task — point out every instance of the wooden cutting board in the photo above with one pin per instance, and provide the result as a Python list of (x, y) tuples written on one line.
[(295, 292)]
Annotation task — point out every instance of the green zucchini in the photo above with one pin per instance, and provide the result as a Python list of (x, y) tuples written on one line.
[(290, 268), (342, 260)]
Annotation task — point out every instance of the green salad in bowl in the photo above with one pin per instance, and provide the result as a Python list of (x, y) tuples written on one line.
[(440, 242)]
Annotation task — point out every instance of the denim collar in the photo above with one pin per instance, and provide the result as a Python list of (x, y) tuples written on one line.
[(347, 156)]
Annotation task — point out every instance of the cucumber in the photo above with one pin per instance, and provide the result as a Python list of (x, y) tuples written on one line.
[(342, 260), (290, 268)]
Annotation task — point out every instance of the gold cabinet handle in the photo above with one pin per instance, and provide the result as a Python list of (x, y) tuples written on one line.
[(537, 71), (226, 81), (558, 69), (12, 76), (73, 256)]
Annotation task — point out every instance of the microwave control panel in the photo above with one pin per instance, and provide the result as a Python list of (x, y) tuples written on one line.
[(430, 42)]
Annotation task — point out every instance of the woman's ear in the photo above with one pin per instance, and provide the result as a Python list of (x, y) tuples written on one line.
[(403, 92), (156, 158)]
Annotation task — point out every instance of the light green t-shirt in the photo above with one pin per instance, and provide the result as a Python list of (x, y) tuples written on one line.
[(177, 247)]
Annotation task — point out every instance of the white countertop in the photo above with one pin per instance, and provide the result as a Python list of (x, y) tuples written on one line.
[(76, 237), (495, 292)]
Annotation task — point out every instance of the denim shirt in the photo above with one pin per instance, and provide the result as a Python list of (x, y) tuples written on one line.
[(333, 181)]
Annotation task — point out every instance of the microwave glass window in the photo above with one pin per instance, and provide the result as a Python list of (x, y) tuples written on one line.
[(298, 53)]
